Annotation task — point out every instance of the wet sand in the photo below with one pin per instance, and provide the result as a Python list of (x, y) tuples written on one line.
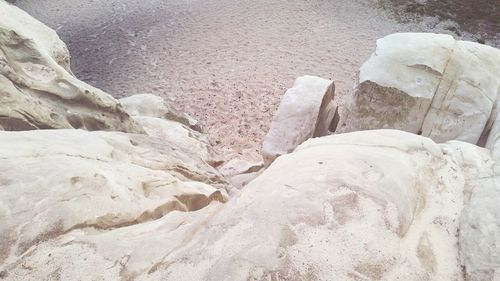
[(225, 62)]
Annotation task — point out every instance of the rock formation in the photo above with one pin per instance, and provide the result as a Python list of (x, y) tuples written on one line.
[(74, 179), (154, 106), (306, 110), (428, 84), (147, 203), (373, 205), (38, 90), (240, 172)]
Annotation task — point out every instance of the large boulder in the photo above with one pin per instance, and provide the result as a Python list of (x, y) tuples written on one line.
[(37, 89), (306, 110), (372, 205), (428, 84), (56, 181)]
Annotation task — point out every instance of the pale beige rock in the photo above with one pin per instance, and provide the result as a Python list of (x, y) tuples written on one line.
[(239, 166), (44, 37), (373, 205), (241, 180), (37, 90), (480, 231), (306, 110), (396, 84), (240, 172), (57, 181), (465, 96), (359, 206), (154, 106), (492, 135), (480, 220), (426, 83), (194, 143)]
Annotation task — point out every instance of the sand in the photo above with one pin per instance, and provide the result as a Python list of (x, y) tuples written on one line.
[(225, 62)]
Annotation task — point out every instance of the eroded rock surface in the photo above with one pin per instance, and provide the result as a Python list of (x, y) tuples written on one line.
[(37, 89), (306, 110), (154, 106), (371, 205), (428, 84), (374, 205), (57, 181)]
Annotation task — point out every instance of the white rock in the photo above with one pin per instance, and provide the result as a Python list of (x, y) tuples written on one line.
[(397, 83), (479, 234), (239, 166), (154, 106), (426, 83), (480, 220), (465, 96), (306, 110), (192, 142), (37, 90), (492, 135), (44, 37), (56, 181), (241, 180), (373, 205), (480, 231), (362, 206)]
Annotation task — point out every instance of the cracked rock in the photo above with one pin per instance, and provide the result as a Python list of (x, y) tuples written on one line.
[(428, 84), (305, 111)]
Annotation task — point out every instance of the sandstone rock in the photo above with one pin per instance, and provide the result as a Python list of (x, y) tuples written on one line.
[(37, 90), (492, 135), (362, 206), (465, 96), (428, 84), (239, 166), (57, 181), (241, 180), (44, 37), (306, 110), (373, 205), (397, 83), (154, 106), (194, 143), (479, 222), (480, 231), (240, 172)]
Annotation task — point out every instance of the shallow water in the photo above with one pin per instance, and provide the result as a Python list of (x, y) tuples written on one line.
[(226, 62)]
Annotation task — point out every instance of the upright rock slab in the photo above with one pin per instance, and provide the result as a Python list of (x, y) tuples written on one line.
[(37, 89), (428, 84), (306, 110)]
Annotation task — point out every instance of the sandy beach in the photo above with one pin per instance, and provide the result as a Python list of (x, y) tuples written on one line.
[(225, 62)]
